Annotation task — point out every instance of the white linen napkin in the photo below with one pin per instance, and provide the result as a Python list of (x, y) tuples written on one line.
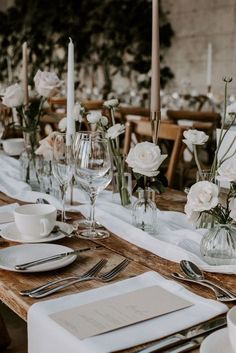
[(47, 336)]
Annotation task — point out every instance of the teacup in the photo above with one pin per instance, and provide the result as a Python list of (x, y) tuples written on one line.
[(35, 220), (231, 322)]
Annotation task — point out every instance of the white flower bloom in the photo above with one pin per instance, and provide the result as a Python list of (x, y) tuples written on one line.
[(232, 207), (77, 112), (145, 158), (227, 171), (14, 96), (104, 121), (46, 83), (193, 216), (94, 117), (111, 103), (115, 130), (195, 137), (46, 146), (230, 113), (202, 196), (62, 124)]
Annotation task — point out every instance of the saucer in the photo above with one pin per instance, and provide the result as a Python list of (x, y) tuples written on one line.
[(217, 342), (10, 232), (18, 254)]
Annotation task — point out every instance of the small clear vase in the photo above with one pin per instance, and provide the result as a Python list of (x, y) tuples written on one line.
[(121, 181), (218, 245), (144, 211), (28, 159)]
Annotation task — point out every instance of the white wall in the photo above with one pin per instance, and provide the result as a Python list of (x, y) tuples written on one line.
[(197, 22)]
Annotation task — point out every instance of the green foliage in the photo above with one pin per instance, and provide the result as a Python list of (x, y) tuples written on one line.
[(112, 34)]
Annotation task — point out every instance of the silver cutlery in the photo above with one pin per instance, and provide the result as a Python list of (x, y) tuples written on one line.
[(27, 265), (187, 346), (106, 277), (192, 271), (185, 335), (91, 272), (220, 295)]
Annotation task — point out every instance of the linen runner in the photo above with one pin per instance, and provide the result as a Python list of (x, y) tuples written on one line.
[(175, 238)]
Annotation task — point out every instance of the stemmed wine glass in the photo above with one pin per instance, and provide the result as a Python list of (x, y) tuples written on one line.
[(93, 173), (63, 165)]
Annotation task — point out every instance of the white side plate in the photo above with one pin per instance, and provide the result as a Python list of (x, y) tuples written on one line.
[(18, 254)]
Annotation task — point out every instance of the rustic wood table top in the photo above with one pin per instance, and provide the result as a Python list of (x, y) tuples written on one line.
[(114, 249)]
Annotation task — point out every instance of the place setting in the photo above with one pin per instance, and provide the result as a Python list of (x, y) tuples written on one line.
[(118, 177)]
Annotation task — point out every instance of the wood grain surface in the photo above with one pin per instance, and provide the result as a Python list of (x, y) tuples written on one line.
[(114, 249)]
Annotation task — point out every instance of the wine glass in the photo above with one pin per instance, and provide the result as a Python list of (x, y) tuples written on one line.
[(93, 173), (63, 165)]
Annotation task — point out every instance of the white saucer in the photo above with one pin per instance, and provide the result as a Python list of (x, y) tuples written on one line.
[(18, 254), (10, 232), (217, 342)]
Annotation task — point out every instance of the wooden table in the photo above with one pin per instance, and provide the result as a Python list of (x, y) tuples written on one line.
[(114, 249)]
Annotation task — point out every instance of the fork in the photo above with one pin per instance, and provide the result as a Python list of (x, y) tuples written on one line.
[(91, 272), (220, 295), (106, 277)]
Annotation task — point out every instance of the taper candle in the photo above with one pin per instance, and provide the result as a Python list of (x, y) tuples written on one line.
[(155, 66), (70, 90), (209, 65), (25, 72)]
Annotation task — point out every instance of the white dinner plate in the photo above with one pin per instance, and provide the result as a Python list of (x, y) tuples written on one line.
[(6, 217), (19, 254), (10, 232), (217, 342)]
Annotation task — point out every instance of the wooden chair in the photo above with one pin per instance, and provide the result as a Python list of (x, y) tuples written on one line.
[(171, 132), (201, 120)]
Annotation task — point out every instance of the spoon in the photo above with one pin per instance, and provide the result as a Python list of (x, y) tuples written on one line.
[(192, 271), (58, 229)]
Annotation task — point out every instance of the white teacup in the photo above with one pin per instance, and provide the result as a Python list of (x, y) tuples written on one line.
[(231, 322), (35, 220)]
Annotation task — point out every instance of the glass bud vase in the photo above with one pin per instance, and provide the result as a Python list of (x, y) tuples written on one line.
[(121, 181), (218, 245), (144, 211), (28, 160)]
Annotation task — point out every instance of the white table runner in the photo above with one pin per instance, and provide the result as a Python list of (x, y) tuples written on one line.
[(175, 238)]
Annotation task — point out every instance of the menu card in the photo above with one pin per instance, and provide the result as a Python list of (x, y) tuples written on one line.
[(119, 311)]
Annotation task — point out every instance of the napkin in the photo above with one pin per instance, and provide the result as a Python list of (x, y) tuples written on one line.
[(45, 335)]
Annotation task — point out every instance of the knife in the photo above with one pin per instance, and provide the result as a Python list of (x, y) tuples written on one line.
[(187, 346), (186, 335), (26, 265)]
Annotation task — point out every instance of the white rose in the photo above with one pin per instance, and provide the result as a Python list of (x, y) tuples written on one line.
[(193, 216), (111, 103), (94, 117), (202, 196), (232, 207), (195, 137), (46, 83), (14, 96), (77, 112), (46, 146), (230, 113), (115, 130), (227, 171), (104, 121), (145, 158), (62, 124)]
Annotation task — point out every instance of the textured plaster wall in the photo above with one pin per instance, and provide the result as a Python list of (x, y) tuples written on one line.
[(197, 22)]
